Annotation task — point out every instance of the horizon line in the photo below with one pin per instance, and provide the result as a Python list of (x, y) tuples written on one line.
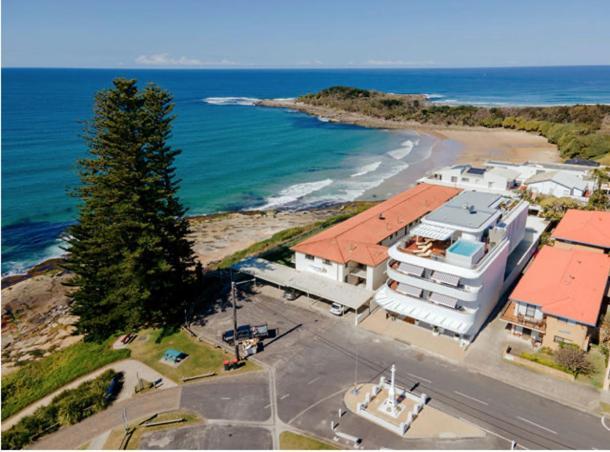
[(234, 67)]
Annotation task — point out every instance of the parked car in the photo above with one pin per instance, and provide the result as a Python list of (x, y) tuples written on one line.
[(337, 309), (243, 332), (290, 294)]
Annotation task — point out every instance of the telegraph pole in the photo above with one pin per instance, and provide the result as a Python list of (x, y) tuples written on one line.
[(234, 302)]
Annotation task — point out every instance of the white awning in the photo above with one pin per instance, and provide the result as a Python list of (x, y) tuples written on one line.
[(409, 290), (411, 269), (445, 300), (432, 232), (446, 278)]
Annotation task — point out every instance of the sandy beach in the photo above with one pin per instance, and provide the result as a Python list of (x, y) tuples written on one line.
[(476, 144)]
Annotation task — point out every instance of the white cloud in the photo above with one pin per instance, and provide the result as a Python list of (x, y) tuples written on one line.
[(164, 59), (310, 63), (399, 63)]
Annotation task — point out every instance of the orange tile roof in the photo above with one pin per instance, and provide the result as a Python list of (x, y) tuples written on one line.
[(585, 226), (358, 238), (566, 283)]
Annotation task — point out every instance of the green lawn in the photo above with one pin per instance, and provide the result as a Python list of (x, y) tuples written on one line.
[(37, 379), (598, 360), (150, 345), (295, 441)]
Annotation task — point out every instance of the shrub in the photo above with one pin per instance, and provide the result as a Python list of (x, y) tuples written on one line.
[(573, 359), (69, 407)]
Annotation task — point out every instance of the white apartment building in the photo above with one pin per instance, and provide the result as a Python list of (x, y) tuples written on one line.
[(449, 272), (556, 179)]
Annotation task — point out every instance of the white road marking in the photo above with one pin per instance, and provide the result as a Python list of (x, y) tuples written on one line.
[(482, 402), (284, 396), (225, 398), (494, 433), (417, 377), (537, 425), (267, 406), (313, 381), (604, 422)]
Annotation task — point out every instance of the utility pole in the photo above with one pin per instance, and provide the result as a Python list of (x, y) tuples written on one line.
[(234, 303)]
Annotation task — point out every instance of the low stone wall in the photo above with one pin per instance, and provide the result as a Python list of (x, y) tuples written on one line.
[(556, 373)]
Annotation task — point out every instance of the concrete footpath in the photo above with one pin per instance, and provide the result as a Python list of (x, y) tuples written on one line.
[(139, 406), (131, 370)]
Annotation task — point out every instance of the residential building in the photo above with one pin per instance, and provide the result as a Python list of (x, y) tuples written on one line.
[(559, 184), (356, 250), (468, 177), (559, 299), (447, 275), (588, 229)]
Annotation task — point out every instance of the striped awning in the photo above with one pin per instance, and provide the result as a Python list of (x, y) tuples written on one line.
[(411, 269), (409, 290), (432, 232), (446, 278), (444, 300)]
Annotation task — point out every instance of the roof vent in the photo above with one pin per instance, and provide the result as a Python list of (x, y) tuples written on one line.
[(381, 216), (470, 208)]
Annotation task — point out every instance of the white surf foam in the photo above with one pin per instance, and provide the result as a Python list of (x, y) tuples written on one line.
[(231, 100), (295, 192), (366, 169), (404, 150), (323, 119), (434, 96)]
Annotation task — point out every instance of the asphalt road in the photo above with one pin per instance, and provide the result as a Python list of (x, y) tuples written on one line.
[(315, 359)]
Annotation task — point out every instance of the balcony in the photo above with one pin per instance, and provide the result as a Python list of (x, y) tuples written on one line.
[(426, 296), (424, 248), (509, 316)]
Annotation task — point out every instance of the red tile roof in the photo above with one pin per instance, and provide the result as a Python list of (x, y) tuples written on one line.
[(358, 238), (567, 283), (585, 226)]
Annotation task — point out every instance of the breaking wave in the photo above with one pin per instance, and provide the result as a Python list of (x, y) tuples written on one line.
[(294, 193), (366, 169), (405, 149), (231, 100)]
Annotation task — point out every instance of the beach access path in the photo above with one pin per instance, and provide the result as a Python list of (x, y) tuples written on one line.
[(131, 368)]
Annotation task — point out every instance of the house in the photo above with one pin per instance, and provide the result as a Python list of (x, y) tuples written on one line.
[(497, 180), (449, 272), (559, 299), (559, 184), (587, 229), (356, 250)]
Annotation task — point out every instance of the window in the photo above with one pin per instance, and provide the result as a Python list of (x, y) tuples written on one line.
[(561, 340), (326, 261), (309, 257), (530, 311), (453, 178), (465, 179), (490, 184)]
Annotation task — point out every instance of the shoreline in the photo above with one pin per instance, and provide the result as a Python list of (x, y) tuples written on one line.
[(453, 145)]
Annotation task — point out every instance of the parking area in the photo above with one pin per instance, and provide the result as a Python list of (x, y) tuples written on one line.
[(209, 437)]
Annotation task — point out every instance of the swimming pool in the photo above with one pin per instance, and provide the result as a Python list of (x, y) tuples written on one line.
[(465, 247)]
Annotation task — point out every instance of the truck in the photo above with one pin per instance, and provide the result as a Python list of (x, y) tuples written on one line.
[(246, 332)]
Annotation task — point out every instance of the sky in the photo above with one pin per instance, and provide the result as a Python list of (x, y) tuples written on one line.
[(306, 33)]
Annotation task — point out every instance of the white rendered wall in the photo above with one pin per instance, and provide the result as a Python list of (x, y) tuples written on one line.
[(332, 270), (376, 276)]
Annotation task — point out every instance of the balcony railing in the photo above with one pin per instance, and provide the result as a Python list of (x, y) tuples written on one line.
[(509, 316), (424, 297)]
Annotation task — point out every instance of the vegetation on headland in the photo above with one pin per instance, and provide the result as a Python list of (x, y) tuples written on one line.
[(277, 247), (69, 407), (129, 253), (578, 131), (40, 378)]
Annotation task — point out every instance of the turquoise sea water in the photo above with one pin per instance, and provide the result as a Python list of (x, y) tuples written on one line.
[(235, 155)]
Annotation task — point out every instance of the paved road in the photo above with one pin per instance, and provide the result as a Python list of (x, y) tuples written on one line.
[(316, 359)]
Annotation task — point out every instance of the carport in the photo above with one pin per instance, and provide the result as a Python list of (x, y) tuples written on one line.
[(352, 297)]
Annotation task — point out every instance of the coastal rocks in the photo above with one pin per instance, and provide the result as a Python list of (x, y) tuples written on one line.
[(36, 319)]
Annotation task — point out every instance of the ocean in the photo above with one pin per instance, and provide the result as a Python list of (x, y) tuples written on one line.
[(235, 155)]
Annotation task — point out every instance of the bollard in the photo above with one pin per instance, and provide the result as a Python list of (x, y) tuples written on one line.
[(381, 381), (340, 412), (424, 397), (333, 426)]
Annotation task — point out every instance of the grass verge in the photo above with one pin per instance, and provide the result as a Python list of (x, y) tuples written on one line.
[(296, 441), (150, 345), (138, 429), (40, 378)]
